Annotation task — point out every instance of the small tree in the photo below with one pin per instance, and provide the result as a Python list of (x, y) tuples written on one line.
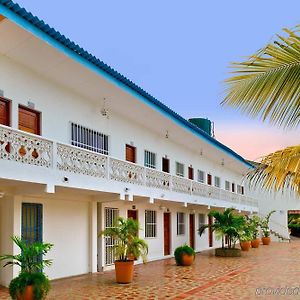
[(264, 224), (225, 224), (124, 232)]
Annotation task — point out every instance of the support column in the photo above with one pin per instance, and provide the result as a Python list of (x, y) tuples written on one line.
[(17, 218), (93, 236)]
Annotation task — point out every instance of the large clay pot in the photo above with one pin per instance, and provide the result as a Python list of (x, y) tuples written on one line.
[(187, 260), (27, 295), (124, 271), (228, 252), (266, 240), (245, 246), (255, 243)]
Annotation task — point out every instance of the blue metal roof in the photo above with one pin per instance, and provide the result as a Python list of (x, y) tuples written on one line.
[(20, 15)]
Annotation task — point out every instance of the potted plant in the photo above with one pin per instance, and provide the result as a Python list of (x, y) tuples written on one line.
[(127, 245), (245, 236), (31, 283), (266, 239), (255, 223), (184, 255), (226, 224)]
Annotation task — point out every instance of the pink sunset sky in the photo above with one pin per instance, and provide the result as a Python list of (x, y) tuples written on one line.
[(254, 141)]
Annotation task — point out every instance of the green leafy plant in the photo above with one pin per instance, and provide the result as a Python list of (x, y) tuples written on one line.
[(39, 282), (124, 233), (254, 223), (264, 225), (246, 232), (225, 224), (30, 260), (180, 251)]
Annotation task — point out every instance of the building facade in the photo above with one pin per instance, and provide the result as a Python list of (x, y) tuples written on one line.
[(80, 145)]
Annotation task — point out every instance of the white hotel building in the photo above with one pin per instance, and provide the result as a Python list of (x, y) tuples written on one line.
[(81, 144)]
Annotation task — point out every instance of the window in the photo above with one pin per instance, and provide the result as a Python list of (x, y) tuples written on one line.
[(4, 111), (150, 159), (240, 189), (179, 169), (201, 220), (180, 223), (217, 181), (111, 215), (89, 139), (32, 222), (150, 223), (227, 185), (201, 176)]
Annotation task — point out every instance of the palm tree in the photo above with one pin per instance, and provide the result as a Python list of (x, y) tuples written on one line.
[(225, 224), (267, 85)]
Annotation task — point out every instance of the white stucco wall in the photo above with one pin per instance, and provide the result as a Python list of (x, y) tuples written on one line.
[(59, 106)]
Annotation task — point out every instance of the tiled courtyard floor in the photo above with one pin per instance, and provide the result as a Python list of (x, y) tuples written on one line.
[(274, 266)]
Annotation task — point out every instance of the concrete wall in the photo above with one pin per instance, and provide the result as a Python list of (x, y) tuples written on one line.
[(60, 106), (156, 244), (66, 224)]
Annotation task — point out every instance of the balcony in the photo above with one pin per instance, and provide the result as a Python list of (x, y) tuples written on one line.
[(28, 149)]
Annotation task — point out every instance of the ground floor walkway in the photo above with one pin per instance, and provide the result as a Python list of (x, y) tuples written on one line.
[(269, 270)]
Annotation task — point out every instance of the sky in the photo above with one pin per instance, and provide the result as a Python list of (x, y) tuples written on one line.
[(180, 52)]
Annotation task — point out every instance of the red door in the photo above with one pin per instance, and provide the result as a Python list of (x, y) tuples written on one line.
[(210, 233), (4, 111), (29, 120), (165, 165), (191, 173), (209, 177), (192, 231), (130, 153), (167, 234), (132, 214)]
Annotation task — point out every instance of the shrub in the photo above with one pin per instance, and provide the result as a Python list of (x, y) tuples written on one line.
[(39, 282), (180, 251)]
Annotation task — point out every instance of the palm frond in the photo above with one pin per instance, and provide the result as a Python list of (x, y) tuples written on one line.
[(279, 170), (267, 84)]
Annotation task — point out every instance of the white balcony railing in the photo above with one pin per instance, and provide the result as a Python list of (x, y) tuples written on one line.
[(26, 148)]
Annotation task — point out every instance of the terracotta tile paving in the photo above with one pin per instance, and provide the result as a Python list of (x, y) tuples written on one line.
[(274, 266)]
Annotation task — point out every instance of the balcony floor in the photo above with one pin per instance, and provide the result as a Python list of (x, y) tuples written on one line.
[(274, 266)]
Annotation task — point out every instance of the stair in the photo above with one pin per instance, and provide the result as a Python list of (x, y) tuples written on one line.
[(279, 237)]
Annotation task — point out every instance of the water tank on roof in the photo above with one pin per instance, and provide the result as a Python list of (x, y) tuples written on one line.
[(204, 124)]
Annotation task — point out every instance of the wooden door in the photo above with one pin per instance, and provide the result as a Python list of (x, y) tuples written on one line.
[(167, 233), (210, 233), (130, 153), (4, 112), (132, 214), (165, 165), (191, 173), (192, 231), (209, 179), (29, 120)]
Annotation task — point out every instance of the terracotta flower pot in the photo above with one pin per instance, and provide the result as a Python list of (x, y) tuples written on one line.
[(255, 243), (245, 246), (124, 271), (266, 240), (27, 295), (187, 260)]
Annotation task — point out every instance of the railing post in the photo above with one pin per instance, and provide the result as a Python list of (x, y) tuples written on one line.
[(108, 163)]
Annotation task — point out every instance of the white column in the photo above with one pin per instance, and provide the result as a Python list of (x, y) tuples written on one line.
[(93, 236), (17, 217)]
